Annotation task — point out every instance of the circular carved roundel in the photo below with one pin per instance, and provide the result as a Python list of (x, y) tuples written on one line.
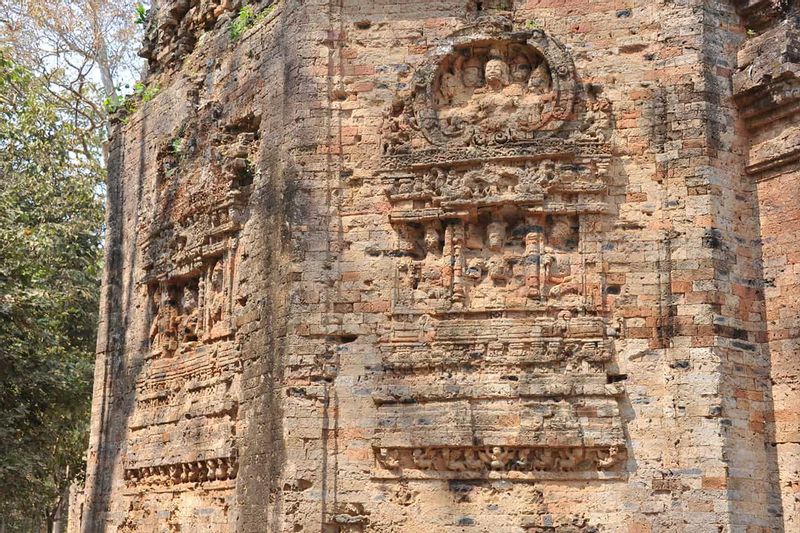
[(487, 86)]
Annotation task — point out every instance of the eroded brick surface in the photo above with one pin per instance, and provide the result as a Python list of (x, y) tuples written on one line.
[(453, 266)]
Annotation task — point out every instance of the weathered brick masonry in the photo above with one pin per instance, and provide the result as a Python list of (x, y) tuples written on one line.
[(453, 266)]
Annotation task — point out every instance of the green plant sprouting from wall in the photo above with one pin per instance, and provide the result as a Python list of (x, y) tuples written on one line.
[(247, 18), (127, 103), (141, 14)]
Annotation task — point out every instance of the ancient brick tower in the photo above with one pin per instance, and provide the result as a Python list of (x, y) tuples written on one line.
[(450, 266)]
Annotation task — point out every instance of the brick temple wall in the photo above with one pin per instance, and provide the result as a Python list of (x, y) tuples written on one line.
[(452, 266), (766, 89)]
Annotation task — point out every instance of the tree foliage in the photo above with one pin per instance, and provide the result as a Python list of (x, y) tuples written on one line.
[(84, 49), (50, 258)]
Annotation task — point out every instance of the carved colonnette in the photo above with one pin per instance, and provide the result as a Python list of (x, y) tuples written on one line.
[(495, 361)]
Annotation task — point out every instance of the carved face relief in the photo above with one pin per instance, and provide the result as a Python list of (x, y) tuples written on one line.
[(471, 76), (450, 86), (520, 69), (539, 82), (496, 73)]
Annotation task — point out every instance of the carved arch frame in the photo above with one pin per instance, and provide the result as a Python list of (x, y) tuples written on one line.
[(421, 110)]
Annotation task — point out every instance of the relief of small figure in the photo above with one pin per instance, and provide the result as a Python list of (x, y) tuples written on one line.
[(537, 99), (496, 236), (494, 104), (540, 82), (521, 69), (522, 461), (211, 469), (544, 460), (217, 302), (234, 469), (473, 461), (396, 138), (221, 472), (422, 458), (194, 472), (189, 316), (472, 73), (569, 459), (476, 268), (388, 459), (431, 274), (164, 330), (202, 471), (496, 72), (496, 458), (597, 121), (532, 262), (614, 457), (498, 269), (559, 279), (450, 87), (454, 460)]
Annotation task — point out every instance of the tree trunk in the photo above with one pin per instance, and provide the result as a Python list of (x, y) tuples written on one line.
[(101, 47)]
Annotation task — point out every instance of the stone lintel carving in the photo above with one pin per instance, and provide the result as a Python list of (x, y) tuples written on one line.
[(499, 462), (502, 329), (497, 385), (548, 148), (195, 239), (555, 353), (201, 393), (563, 416), (537, 186)]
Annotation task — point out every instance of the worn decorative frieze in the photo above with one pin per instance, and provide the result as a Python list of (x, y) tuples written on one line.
[(499, 462), (201, 471)]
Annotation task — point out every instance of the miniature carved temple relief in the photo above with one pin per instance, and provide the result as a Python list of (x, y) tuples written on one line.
[(496, 359)]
